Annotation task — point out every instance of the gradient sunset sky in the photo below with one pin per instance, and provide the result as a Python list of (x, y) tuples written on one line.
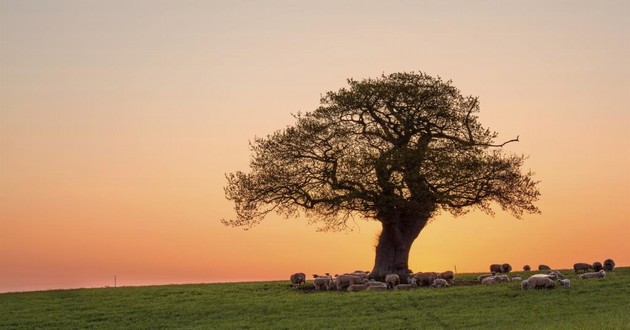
[(119, 120)]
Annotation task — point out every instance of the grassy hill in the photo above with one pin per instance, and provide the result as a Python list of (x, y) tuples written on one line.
[(596, 303)]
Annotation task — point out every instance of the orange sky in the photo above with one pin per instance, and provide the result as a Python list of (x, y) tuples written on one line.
[(119, 120)]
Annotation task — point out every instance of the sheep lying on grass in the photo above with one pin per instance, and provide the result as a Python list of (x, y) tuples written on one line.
[(482, 276), (599, 274), (298, 279), (516, 278), (439, 283), (541, 282), (405, 286), (495, 279)]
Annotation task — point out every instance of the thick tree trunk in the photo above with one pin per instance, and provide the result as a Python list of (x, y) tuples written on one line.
[(394, 244)]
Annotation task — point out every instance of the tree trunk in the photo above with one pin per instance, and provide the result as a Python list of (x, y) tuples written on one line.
[(394, 244)]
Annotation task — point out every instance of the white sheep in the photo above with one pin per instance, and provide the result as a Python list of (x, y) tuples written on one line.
[(322, 282), (516, 278), (565, 282), (482, 276), (524, 285), (495, 279), (599, 274), (440, 283), (405, 286), (392, 280)]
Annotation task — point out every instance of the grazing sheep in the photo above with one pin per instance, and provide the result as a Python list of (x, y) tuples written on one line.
[(597, 266), (524, 285), (516, 278), (392, 280), (298, 279), (439, 283), (495, 268), (599, 274), (526, 268), (565, 282), (448, 275), (609, 265), (581, 267), (405, 286), (544, 267), (541, 282), (506, 268), (322, 282), (425, 278), (344, 281), (482, 276)]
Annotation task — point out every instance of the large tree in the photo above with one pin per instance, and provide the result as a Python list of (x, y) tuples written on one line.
[(397, 149)]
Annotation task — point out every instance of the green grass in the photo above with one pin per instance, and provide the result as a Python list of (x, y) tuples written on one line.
[(595, 303)]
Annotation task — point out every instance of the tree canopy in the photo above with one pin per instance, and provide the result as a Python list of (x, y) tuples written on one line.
[(380, 148)]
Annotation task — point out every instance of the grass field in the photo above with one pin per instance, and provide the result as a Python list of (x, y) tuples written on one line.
[(587, 304)]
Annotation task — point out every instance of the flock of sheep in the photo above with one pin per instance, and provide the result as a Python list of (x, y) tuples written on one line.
[(359, 281)]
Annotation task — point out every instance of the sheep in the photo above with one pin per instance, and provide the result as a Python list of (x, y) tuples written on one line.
[(609, 265), (358, 287), (581, 267), (425, 278), (322, 282), (412, 280), (377, 288), (482, 276), (376, 284), (405, 286), (552, 275), (516, 278), (495, 279), (599, 274), (344, 281), (555, 273), (495, 268), (392, 280), (359, 273), (506, 268), (526, 268), (524, 285), (439, 283), (541, 282), (565, 282), (297, 279), (597, 266), (543, 267), (448, 275)]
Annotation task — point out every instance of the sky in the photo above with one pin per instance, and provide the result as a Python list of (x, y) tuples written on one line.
[(120, 119)]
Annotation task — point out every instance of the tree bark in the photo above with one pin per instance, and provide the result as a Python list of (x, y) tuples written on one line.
[(394, 244)]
